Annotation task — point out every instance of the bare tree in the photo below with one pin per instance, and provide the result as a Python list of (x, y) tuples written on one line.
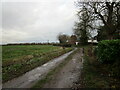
[(63, 38), (73, 39), (108, 13), (84, 25)]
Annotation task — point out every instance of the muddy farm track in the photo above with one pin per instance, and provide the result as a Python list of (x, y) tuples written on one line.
[(65, 78), (69, 74)]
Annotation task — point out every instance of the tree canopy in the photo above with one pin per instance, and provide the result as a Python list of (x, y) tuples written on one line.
[(107, 14)]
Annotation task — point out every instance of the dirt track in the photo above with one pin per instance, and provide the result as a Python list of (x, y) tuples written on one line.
[(69, 74), (30, 78), (65, 78)]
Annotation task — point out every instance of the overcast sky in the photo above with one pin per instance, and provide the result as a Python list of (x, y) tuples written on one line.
[(36, 21)]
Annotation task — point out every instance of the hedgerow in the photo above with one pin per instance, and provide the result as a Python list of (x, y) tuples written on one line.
[(108, 51)]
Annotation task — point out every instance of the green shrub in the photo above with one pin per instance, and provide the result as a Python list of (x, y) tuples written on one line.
[(63, 44), (108, 51), (95, 50)]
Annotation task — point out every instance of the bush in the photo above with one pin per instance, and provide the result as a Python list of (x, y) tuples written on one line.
[(108, 51), (66, 45), (63, 44), (95, 50)]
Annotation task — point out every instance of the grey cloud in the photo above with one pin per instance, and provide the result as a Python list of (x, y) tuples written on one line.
[(37, 21)]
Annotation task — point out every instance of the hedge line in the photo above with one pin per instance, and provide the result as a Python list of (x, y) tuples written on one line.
[(109, 51)]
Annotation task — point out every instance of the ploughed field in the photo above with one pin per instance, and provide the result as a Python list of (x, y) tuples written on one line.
[(18, 59)]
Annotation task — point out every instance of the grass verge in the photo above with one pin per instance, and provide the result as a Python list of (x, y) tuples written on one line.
[(94, 74), (51, 74)]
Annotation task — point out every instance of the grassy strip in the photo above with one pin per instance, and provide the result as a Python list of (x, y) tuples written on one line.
[(50, 75), (21, 53), (18, 69), (95, 75)]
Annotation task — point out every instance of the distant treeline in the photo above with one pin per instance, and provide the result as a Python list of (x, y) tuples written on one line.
[(54, 44), (29, 44)]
